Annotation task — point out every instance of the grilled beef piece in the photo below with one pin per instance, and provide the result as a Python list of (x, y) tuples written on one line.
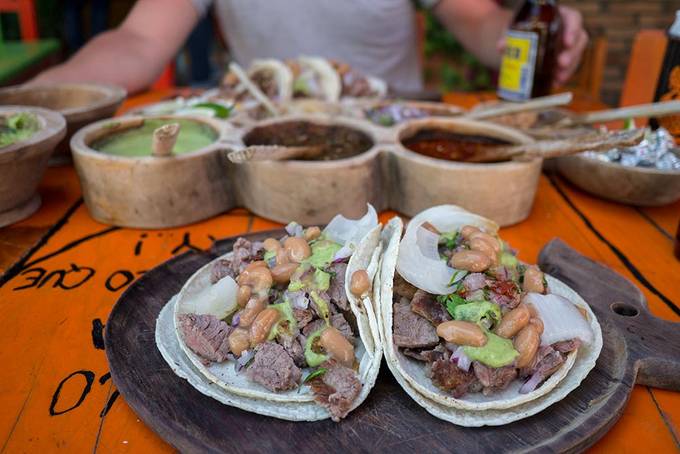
[(303, 317), (340, 323), (425, 305), (494, 379), (426, 355), (336, 390), (292, 343), (411, 330), (336, 290), (504, 293), (205, 335), (273, 368), (402, 288), (546, 362), (312, 327), (244, 252), (449, 377), (567, 346), (220, 269), (474, 281)]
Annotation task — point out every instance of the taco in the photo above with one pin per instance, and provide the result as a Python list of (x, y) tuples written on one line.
[(272, 77), (468, 330), (285, 327), (314, 77), (354, 84)]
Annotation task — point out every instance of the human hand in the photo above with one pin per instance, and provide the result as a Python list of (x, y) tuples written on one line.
[(574, 41)]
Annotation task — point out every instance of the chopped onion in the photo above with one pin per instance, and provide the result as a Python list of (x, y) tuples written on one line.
[(244, 359), (343, 253), (447, 218), (349, 232), (461, 359), (532, 383), (218, 299), (297, 299), (419, 263), (235, 320), (561, 319), (294, 229)]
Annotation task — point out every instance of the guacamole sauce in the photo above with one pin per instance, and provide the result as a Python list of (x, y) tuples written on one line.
[(18, 127), (193, 135)]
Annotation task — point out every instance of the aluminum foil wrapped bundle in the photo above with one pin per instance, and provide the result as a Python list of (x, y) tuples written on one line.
[(657, 150)]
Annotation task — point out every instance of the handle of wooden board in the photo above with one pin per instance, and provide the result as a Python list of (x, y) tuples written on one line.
[(650, 344), (272, 153), (164, 139), (555, 148), (542, 103), (657, 109)]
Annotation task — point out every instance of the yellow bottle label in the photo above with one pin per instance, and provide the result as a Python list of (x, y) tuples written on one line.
[(516, 78)]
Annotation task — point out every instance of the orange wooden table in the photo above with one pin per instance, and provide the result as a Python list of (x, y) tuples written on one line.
[(63, 271)]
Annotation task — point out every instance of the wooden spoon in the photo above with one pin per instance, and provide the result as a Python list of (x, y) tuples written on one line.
[(273, 153), (657, 109), (553, 148), (542, 103)]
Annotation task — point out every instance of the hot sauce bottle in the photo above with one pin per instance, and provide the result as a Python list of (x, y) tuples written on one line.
[(668, 86), (531, 51)]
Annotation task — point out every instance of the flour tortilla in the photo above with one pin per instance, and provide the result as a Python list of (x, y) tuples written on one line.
[(331, 86), (282, 74), (236, 389), (412, 373)]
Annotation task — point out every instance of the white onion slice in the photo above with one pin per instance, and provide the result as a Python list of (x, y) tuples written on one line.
[(447, 218), (349, 232), (561, 319), (218, 299), (419, 262)]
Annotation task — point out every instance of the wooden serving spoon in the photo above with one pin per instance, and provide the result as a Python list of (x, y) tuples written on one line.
[(542, 103), (657, 109), (553, 148), (273, 153), (164, 139)]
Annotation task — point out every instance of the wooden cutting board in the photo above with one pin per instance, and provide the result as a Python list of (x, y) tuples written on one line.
[(638, 348)]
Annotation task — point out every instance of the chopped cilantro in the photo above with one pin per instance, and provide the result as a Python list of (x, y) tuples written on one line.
[(317, 373), (448, 239), (450, 302)]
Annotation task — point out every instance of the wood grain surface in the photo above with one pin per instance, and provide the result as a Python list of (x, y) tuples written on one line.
[(636, 345), (55, 388)]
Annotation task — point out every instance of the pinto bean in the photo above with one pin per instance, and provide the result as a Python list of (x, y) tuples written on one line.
[(493, 242), (282, 273), (482, 245), (513, 321), (337, 346), (462, 333), (243, 295), (297, 248), (533, 280), (282, 257), (256, 264), (259, 330), (537, 323), (526, 343), (312, 233), (359, 282), (254, 306), (239, 341), (259, 278), (271, 244), (467, 230), (474, 261)]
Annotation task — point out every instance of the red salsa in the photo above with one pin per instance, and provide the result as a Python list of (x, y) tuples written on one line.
[(452, 146)]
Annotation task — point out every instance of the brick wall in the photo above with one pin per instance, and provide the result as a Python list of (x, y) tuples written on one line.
[(619, 21)]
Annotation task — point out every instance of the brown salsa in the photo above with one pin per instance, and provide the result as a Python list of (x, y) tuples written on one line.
[(452, 146), (338, 142)]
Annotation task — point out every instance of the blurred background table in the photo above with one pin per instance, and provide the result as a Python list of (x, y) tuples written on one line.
[(63, 272)]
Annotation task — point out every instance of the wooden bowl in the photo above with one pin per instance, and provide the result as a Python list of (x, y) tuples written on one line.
[(630, 185), (81, 104), (152, 192), (23, 164), (311, 192), (502, 191)]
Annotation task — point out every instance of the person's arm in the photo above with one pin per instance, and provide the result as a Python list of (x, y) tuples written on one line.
[(480, 26), (134, 54), (477, 25)]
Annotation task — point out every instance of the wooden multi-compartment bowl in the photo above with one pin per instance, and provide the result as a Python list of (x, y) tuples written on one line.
[(22, 164), (373, 166), (79, 103)]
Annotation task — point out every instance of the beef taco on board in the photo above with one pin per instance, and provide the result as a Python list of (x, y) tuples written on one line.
[(469, 328), (285, 327)]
